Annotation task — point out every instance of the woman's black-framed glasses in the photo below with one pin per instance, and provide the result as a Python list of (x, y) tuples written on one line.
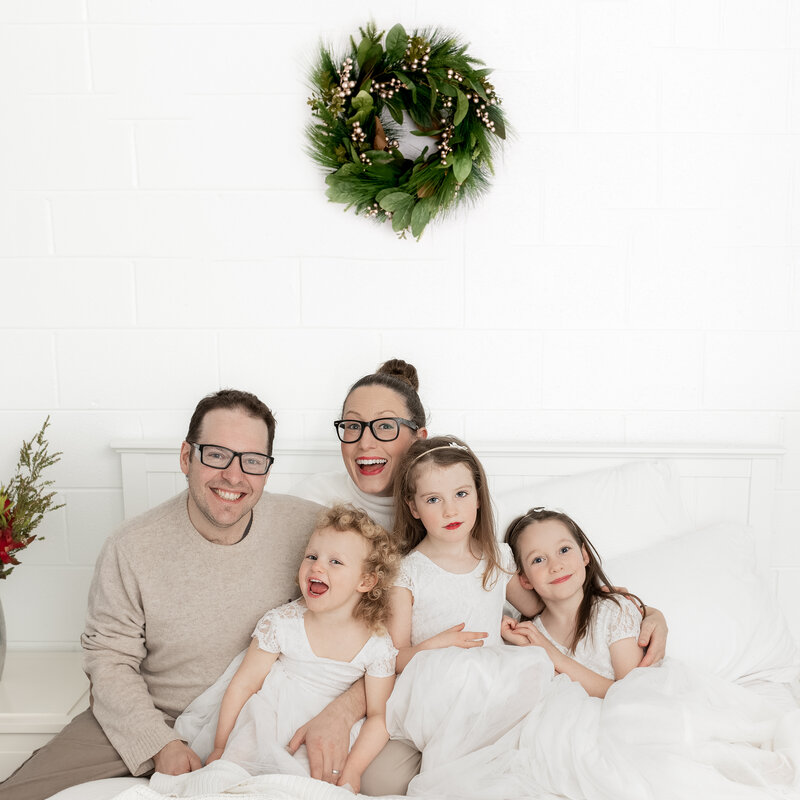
[(218, 457), (385, 429)]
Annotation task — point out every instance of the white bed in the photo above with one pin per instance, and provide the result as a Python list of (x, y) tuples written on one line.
[(686, 528)]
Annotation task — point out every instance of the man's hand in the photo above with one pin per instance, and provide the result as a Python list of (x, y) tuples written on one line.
[(176, 758), (327, 740), (653, 636)]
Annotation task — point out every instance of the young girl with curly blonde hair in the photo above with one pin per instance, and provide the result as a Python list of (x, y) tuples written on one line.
[(304, 654)]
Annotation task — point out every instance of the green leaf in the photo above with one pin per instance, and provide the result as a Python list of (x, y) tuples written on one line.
[(447, 89), (396, 110), (362, 100), (434, 84), (462, 165), (420, 217), (410, 85), (402, 219), (362, 103), (426, 133), (397, 201), (363, 51), (462, 106), (396, 43)]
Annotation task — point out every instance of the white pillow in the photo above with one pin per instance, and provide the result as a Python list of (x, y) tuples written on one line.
[(620, 509), (722, 615)]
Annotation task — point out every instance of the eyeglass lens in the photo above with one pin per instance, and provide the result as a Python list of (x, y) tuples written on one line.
[(385, 430), (221, 457)]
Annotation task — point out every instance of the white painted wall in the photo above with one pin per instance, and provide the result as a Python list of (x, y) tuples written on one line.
[(634, 274)]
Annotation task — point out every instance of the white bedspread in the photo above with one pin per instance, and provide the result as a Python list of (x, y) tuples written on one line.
[(670, 733)]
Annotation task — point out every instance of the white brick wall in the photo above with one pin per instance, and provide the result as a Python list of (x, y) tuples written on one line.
[(633, 275)]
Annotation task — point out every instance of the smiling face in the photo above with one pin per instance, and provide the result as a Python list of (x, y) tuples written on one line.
[(445, 500), (332, 574), (220, 500), (554, 563), (372, 464)]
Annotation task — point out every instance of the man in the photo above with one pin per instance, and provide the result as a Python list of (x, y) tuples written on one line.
[(175, 595)]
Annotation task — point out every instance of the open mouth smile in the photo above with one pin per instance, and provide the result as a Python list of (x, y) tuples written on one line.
[(316, 588), (228, 496), (371, 466)]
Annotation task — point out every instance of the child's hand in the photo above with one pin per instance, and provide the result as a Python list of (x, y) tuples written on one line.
[(350, 779), (457, 637), (508, 630), (538, 639), (215, 754)]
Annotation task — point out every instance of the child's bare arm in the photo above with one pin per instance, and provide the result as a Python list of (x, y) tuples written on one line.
[(526, 601), (373, 734), (246, 682), (400, 630)]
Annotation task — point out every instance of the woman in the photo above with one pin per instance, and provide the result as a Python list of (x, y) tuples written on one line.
[(381, 416)]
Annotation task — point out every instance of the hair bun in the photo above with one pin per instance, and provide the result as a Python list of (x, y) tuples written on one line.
[(402, 370)]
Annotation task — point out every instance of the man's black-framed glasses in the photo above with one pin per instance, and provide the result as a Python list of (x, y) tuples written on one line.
[(385, 429), (218, 457)]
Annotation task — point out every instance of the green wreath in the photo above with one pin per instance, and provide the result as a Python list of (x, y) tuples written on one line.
[(429, 76)]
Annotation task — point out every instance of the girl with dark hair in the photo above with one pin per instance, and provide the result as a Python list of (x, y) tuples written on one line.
[(589, 630)]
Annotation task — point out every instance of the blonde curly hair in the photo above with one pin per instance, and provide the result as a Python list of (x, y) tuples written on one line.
[(382, 561)]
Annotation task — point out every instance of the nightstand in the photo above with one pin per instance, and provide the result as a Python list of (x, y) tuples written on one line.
[(40, 692)]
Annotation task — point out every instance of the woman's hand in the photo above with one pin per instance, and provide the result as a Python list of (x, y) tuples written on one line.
[(215, 754), (653, 636), (457, 637)]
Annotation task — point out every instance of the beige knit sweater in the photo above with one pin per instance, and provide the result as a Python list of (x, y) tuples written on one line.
[(169, 609)]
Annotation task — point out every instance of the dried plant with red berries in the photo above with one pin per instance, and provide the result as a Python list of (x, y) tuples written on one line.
[(25, 500)]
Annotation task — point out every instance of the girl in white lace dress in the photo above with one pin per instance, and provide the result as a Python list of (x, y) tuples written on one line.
[(589, 632), (303, 655), (460, 687)]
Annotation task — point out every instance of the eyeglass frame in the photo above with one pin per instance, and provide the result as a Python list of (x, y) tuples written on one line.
[(364, 425), (270, 459)]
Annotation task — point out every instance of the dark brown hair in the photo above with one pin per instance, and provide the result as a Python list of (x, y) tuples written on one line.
[(402, 378), (444, 451), (382, 561), (231, 399), (595, 580)]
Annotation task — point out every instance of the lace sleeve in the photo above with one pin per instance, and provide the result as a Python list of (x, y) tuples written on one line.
[(405, 576), (625, 621), (268, 627), (382, 665)]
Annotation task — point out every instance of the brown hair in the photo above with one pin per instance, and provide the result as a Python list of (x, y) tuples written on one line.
[(382, 561), (444, 451), (230, 399), (596, 584), (402, 378)]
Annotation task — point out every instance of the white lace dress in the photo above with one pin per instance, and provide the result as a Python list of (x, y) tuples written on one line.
[(299, 685), (610, 623), (453, 701)]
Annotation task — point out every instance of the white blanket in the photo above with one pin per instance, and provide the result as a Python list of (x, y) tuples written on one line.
[(670, 733)]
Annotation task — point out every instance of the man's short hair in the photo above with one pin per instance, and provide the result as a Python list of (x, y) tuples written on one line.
[(234, 399)]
